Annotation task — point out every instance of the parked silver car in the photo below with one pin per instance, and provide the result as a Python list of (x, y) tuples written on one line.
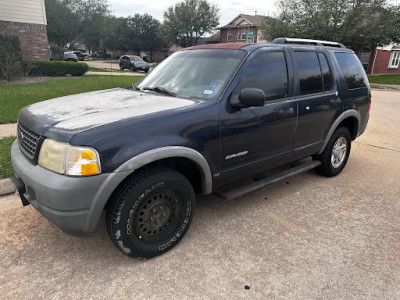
[(132, 62)]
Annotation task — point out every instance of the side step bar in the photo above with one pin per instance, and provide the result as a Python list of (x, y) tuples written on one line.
[(236, 193)]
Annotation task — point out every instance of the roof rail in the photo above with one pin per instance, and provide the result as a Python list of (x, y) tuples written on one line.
[(307, 42)]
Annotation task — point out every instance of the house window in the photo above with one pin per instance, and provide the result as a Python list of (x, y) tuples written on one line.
[(394, 59), (242, 33), (229, 35)]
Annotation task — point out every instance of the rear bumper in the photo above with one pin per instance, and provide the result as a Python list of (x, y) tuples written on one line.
[(74, 204)]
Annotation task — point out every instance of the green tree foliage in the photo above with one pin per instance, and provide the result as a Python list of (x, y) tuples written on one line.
[(188, 20), (63, 24), (90, 22), (72, 21), (351, 22)]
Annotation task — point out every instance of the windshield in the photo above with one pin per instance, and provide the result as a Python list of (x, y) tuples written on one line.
[(200, 74), (136, 58)]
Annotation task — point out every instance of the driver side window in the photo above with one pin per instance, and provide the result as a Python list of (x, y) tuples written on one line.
[(268, 72)]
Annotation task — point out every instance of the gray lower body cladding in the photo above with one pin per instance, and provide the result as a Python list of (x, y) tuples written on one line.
[(74, 204)]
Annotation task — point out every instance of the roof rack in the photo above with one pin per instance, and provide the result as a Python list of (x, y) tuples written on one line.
[(307, 42)]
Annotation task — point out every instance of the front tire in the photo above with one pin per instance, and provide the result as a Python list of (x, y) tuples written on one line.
[(334, 157), (151, 213)]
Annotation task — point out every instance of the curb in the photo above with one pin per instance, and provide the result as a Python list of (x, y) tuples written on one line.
[(6, 187)]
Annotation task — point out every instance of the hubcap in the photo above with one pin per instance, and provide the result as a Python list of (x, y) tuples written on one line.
[(157, 216), (339, 151)]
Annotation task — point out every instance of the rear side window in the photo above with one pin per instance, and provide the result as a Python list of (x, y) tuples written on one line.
[(352, 70), (268, 72), (309, 72)]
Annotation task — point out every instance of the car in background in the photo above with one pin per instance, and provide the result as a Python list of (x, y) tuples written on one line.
[(70, 56), (134, 63), (81, 55), (97, 54)]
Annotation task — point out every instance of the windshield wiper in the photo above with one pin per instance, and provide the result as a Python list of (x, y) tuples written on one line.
[(159, 89), (135, 87)]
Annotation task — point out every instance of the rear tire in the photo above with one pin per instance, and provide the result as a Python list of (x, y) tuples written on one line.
[(133, 68), (121, 67), (151, 213), (334, 157)]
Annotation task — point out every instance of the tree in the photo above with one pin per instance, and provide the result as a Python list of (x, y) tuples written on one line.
[(351, 22), (72, 21), (62, 23), (188, 20)]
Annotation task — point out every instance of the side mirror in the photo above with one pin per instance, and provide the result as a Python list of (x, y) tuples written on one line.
[(249, 97)]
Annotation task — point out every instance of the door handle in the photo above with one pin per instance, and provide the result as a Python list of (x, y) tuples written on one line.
[(336, 101), (285, 113)]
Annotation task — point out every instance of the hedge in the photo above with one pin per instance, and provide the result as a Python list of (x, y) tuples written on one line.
[(57, 68)]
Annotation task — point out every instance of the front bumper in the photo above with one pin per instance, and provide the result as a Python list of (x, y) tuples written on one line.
[(74, 204)]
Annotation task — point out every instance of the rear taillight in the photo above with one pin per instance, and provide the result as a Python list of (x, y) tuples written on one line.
[(369, 105)]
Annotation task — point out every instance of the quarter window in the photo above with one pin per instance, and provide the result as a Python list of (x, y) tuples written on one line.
[(309, 72), (352, 70), (268, 72), (394, 59)]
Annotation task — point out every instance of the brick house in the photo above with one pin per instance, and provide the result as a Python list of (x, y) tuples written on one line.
[(380, 60), (244, 28), (26, 19)]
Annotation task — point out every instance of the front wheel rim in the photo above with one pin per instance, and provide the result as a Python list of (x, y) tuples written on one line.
[(339, 152), (158, 216)]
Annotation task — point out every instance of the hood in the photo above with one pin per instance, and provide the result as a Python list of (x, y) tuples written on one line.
[(76, 113)]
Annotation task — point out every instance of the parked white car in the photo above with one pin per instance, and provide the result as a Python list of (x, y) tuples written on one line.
[(70, 56)]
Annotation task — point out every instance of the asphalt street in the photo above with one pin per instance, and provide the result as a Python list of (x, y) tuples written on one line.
[(307, 237)]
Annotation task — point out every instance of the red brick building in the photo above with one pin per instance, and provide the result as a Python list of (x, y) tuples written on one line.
[(26, 19), (380, 60), (244, 28)]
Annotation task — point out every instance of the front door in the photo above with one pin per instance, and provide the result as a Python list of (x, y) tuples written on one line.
[(255, 139)]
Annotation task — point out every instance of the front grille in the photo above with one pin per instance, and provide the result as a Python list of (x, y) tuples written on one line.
[(28, 141)]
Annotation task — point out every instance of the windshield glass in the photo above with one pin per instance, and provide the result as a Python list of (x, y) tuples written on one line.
[(136, 58), (200, 74)]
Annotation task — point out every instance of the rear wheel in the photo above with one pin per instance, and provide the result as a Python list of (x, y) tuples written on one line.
[(133, 69), (121, 67), (151, 213), (336, 153)]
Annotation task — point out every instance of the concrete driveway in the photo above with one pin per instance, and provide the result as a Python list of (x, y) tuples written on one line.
[(309, 237)]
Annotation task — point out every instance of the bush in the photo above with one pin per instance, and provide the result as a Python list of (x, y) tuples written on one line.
[(57, 68), (10, 56)]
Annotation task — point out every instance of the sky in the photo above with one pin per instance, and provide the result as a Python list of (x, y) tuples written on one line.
[(229, 9)]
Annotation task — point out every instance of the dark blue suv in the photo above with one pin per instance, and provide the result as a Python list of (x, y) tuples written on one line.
[(206, 117)]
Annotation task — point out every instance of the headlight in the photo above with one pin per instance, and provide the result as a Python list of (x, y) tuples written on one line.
[(69, 160)]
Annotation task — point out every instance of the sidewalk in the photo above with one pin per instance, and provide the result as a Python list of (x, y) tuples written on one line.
[(8, 130)]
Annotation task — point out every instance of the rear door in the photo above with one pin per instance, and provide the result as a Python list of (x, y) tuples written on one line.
[(319, 101), (255, 139)]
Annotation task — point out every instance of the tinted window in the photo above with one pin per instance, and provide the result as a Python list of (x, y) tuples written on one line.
[(268, 72), (352, 70), (309, 72), (326, 72)]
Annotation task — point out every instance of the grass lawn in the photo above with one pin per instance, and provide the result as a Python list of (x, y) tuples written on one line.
[(13, 97), (6, 169), (384, 79)]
